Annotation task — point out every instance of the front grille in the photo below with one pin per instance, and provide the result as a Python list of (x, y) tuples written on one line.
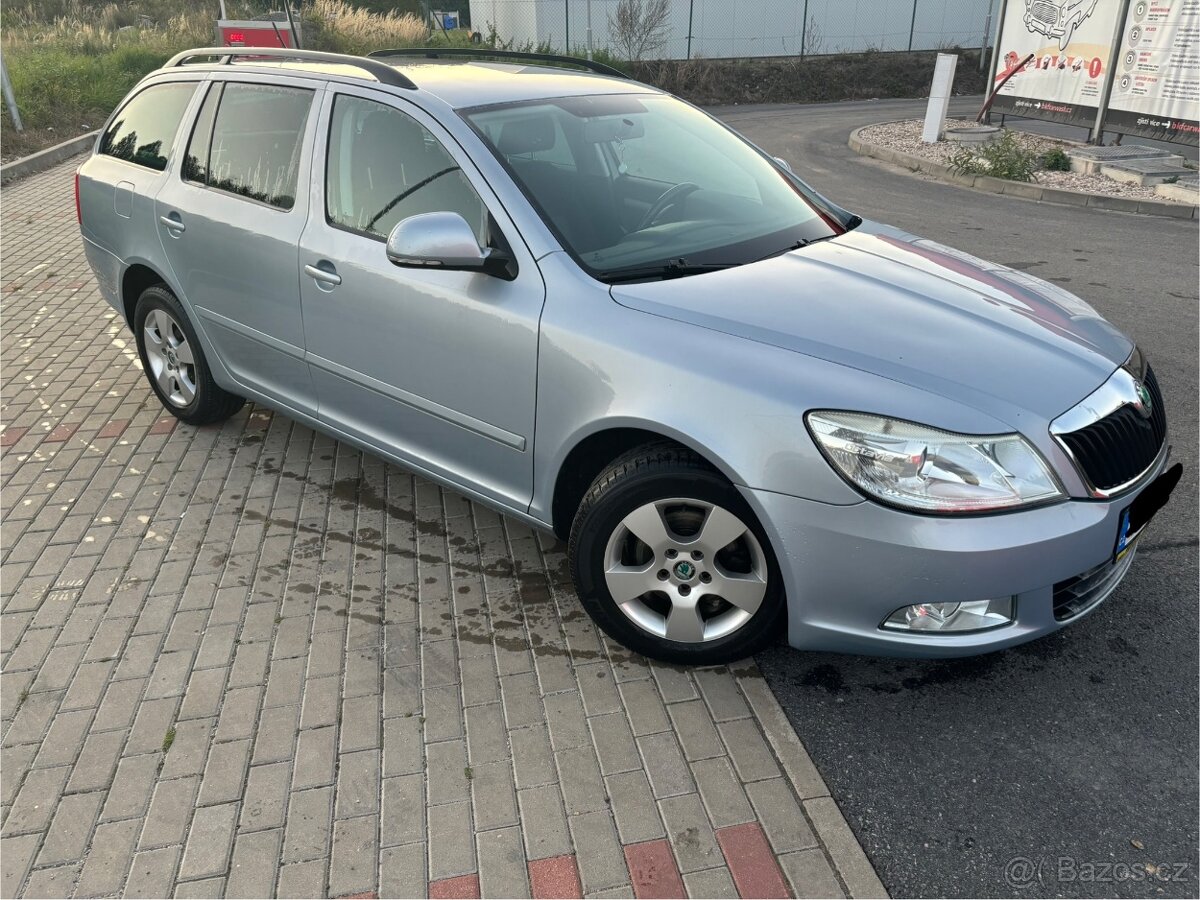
[(1044, 11), (1077, 595), (1118, 448)]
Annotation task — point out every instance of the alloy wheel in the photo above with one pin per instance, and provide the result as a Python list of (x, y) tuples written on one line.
[(685, 570), (171, 362)]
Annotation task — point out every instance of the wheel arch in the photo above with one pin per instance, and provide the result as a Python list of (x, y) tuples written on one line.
[(592, 452), (134, 280)]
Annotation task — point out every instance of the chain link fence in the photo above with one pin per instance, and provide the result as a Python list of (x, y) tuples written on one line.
[(727, 29)]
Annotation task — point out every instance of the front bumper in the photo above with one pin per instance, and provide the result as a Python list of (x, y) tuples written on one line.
[(845, 568)]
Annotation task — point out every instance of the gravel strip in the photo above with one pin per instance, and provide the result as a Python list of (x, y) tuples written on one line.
[(906, 137)]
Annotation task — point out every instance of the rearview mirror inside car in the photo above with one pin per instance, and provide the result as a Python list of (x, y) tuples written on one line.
[(612, 128)]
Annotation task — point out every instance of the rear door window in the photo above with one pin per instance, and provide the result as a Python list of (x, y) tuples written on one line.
[(248, 140), (144, 129)]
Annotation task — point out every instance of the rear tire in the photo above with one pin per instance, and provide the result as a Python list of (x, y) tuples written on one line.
[(670, 561), (174, 361)]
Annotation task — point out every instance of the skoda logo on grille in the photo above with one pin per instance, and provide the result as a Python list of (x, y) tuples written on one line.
[(1145, 402)]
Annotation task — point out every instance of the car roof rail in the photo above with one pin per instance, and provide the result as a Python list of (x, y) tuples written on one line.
[(383, 73), (482, 53)]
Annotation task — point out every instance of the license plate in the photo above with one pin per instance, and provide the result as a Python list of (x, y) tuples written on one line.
[(1136, 516)]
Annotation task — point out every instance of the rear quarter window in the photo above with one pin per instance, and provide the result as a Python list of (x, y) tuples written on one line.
[(144, 129)]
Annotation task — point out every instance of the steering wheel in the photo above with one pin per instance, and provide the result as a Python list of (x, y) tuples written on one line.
[(669, 198)]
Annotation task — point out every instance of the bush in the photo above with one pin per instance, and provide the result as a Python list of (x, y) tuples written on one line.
[(1002, 158), (1056, 160)]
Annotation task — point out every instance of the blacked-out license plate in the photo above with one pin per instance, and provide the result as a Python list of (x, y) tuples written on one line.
[(1138, 514)]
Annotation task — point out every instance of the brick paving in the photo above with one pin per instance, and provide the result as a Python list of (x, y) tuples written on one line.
[(246, 660)]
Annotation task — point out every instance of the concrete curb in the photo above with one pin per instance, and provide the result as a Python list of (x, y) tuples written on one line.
[(1028, 190), (44, 159), (828, 823)]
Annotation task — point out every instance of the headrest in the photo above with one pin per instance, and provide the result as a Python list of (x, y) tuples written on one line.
[(392, 134), (532, 135)]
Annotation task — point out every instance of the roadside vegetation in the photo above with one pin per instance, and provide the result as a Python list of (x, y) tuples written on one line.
[(1005, 157), (71, 61)]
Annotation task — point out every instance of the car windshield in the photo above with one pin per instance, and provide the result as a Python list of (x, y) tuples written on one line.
[(647, 186)]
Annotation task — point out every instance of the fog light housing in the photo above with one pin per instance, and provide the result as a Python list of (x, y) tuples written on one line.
[(944, 618)]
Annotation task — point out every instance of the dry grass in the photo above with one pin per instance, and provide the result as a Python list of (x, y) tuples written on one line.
[(348, 29), (72, 61)]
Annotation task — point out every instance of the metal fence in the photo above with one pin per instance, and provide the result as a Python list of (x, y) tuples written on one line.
[(722, 29)]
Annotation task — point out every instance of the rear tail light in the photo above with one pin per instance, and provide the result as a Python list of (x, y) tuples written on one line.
[(78, 209)]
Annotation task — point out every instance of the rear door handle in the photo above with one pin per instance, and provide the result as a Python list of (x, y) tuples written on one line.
[(174, 224), (324, 276)]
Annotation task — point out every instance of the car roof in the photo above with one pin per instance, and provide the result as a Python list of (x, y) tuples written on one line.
[(475, 83), (457, 82)]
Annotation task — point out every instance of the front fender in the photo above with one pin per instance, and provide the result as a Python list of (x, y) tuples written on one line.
[(738, 402), (602, 366)]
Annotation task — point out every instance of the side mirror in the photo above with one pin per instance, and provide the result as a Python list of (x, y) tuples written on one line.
[(783, 163), (440, 240)]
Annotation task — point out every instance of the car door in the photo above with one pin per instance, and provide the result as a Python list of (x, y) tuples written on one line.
[(230, 221), (437, 368)]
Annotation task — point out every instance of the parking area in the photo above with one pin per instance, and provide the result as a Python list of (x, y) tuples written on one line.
[(1076, 753), (245, 660)]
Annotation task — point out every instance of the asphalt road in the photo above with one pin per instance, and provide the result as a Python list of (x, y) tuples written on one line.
[(1081, 746)]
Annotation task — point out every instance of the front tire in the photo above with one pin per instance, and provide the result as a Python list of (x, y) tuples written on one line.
[(174, 361), (670, 561)]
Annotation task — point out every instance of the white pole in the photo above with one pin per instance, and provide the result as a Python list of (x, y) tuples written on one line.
[(223, 16), (589, 28), (8, 96), (939, 97)]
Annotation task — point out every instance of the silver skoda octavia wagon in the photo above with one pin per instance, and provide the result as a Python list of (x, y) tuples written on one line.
[(592, 306)]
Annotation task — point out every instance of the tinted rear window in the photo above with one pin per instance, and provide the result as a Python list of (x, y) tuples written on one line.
[(145, 127), (248, 140)]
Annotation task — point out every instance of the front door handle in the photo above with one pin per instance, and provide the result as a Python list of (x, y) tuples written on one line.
[(174, 224), (324, 276)]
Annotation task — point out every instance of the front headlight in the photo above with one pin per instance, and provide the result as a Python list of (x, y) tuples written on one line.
[(929, 470)]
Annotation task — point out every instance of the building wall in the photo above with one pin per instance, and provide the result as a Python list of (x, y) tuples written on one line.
[(739, 28)]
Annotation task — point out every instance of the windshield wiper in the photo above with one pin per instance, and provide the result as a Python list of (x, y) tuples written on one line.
[(796, 245), (672, 268)]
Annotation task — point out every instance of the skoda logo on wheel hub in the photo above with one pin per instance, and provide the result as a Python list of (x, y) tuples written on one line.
[(684, 570)]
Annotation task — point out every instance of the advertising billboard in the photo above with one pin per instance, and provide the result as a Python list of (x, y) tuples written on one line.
[(1071, 41), (1156, 91), (1156, 82)]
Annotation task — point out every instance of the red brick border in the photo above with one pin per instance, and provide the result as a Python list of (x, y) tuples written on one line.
[(653, 871), (60, 433), (10, 436), (554, 878), (461, 887), (751, 861), (113, 429)]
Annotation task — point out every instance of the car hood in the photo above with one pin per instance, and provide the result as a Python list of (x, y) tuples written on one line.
[(910, 310)]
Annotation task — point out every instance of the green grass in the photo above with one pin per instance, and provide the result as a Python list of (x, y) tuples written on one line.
[(58, 87)]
